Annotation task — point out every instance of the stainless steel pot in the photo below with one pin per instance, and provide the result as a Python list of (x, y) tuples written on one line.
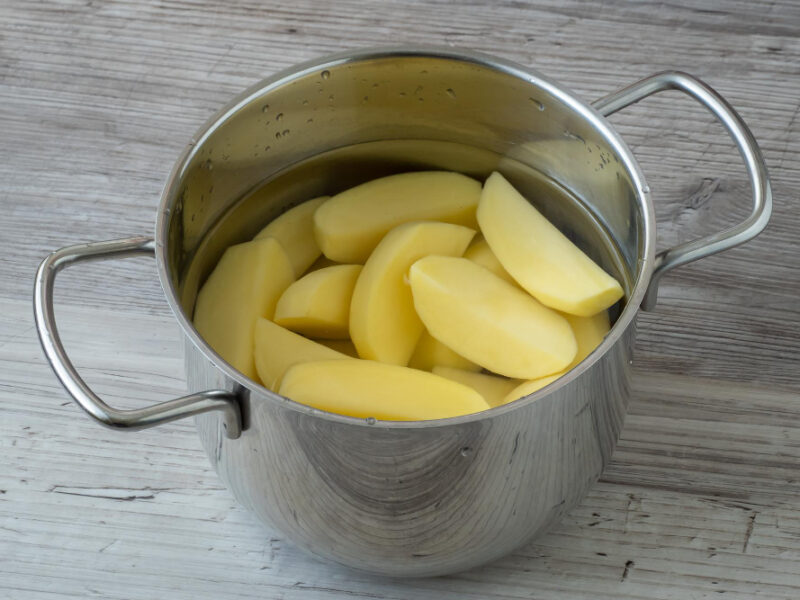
[(415, 498)]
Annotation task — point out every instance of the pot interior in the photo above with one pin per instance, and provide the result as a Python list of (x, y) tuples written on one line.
[(328, 126)]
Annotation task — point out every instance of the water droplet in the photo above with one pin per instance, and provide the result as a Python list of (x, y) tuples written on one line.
[(371, 420), (630, 362), (330, 98), (421, 99), (265, 108), (418, 90), (309, 120), (305, 102), (646, 189), (279, 117), (450, 92), (466, 451), (285, 132), (325, 74), (401, 94), (267, 148), (277, 135), (365, 100), (423, 72), (537, 103), (208, 165)]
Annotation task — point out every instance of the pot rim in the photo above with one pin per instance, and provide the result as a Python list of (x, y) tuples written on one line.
[(286, 76)]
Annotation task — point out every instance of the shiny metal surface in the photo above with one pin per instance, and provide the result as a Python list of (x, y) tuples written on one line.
[(745, 143), (410, 498), (426, 498), (420, 499), (164, 412)]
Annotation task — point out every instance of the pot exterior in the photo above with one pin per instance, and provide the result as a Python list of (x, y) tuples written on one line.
[(419, 498), (419, 501)]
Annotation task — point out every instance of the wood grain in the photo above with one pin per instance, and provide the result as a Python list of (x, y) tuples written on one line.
[(96, 100)]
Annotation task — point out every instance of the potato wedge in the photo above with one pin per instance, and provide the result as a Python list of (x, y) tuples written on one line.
[(589, 333), (528, 387), (344, 346), (245, 285), (383, 323), (488, 320), (364, 388), (322, 262), (318, 304), (350, 225), (294, 229), (539, 257), (431, 353), (494, 389), (277, 350), (480, 253)]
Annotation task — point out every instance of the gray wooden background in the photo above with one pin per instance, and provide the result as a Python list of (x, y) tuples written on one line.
[(96, 100)]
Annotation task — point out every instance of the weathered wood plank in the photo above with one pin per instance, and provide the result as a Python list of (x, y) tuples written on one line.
[(96, 100)]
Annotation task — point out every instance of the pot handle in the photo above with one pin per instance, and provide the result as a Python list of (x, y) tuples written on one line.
[(139, 418), (748, 148)]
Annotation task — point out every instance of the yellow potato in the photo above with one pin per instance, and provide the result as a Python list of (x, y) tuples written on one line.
[(343, 346), (350, 225), (528, 387), (480, 253), (383, 323), (294, 229), (539, 257), (488, 320), (494, 389), (322, 262), (589, 333), (318, 304), (277, 349), (245, 285), (364, 388), (430, 353)]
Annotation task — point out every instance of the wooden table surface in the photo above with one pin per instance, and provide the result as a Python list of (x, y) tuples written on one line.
[(96, 100)]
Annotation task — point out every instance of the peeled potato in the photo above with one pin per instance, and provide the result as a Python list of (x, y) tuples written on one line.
[(528, 387), (294, 229), (589, 333), (480, 253), (278, 349), (431, 353), (494, 389), (350, 225), (488, 320), (539, 257), (318, 304), (364, 388), (383, 323), (322, 262), (343, 346), (245, 285)]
